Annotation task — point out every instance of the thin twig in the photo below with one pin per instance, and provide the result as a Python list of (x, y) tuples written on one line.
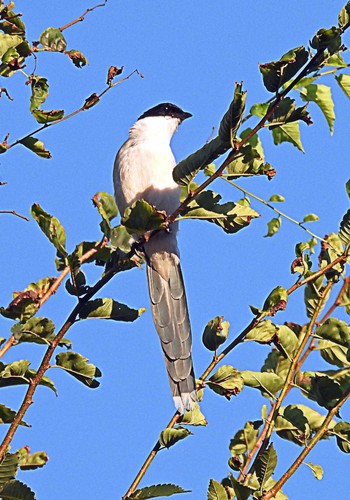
[(85, 107), (4, 91), (337, 301), (13, 212), (82, 17), (53, 289)]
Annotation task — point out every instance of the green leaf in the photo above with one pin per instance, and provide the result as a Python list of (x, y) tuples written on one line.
[(169, 437), (329, 39), (276, 300), (287, 112), (107, 208), (342, 433), (8, 468), (233, 116), (231, 217), (313, 292), (334, 60), (344, 83), (47, 116), (336, 330), (242, 492), (141, 217), (78, 59), (109, 309), (250, 159), (37, 330), (276, 363), (310, 218), (7, 415), (53, 40), (158, 490), (268, 383), (77, 365), (320, 388), (277, 198), (227, 381), (344, 230), (344, 16), (215, 333), (276, 73), (263, 332), (40, 91), (36, 146), (245, 439), (120, 238), (259, 109), (322, 96), (194, 417), (185, 171), (316, 470), (8, 42), (289, 132), (265, 465), (273, 226), (12, 23), (216, 491), (292, 425), (31, 461), (51, 227), (16, 490), (333, 353)]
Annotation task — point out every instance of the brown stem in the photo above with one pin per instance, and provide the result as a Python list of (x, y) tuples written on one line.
[(82, 108), (82, 17), (12, 212), (45, 363), (11, 341), (319, 435), (337, 301), (4, 90)]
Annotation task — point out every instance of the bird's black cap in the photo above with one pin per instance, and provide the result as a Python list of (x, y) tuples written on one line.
[(166, 109)]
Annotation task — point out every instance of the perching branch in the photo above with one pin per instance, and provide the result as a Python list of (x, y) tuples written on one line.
[(13, 212)]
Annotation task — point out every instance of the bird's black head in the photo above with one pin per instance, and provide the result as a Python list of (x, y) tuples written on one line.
[(166, 109)]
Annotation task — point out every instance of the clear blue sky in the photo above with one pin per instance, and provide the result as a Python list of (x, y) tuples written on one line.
[(191, 53)]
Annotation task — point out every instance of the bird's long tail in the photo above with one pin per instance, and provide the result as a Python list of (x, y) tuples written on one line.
[(171, 319)]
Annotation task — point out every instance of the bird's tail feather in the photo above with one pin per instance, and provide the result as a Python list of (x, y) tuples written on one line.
[(171, 319)]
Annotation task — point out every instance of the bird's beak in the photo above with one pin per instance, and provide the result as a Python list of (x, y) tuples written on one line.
[(185, 115)]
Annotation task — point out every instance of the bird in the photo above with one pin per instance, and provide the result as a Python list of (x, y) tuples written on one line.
[(143, 170)]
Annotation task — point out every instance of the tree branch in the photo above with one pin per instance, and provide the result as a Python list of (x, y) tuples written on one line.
[(82, 17), (13, 212)]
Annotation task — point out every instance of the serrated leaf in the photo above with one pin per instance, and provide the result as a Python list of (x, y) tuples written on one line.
[(215, 333), (109, 309), (36, 146), (265, 465), (342, 433), (8, 468), (216, 491), (227, 381), (51, 227), (316, 470), (185, 170), (273, 226), (344, 230), (141, 217), (289, 132), (242, 492), (16, 490), (169, 437), (7, 415), (322, 96), (78, 366), (310, 218), (194, 417), (53, 40), (47, 116), (158, 490)]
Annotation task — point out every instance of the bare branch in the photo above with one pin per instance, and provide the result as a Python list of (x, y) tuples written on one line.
[(82, 17)]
